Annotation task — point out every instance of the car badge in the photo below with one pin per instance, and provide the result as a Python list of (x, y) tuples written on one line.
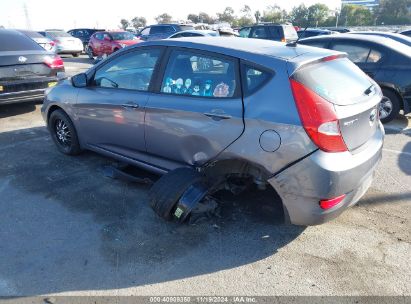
[(373, 117), (22, 59)]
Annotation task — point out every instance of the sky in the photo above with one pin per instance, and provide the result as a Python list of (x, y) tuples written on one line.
[(107, 14)]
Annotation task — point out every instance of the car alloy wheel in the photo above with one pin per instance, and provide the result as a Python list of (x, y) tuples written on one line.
[(386, 107), (63, 133)]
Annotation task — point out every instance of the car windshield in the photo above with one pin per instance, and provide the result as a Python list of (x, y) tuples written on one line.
[(122, 36), (56, 34), (32, 34), (331, 79)]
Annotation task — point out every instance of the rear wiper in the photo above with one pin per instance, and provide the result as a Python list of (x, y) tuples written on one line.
[(369, 90)]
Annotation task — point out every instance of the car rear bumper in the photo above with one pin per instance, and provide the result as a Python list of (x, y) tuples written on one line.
[(25, 91), (324, 176), (69, 49)]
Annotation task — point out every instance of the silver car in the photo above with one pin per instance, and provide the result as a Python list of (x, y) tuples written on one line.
[(44, 42), (299, 119), (65, 43)]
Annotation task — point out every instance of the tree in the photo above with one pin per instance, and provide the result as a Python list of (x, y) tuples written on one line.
[(163, 18), (274, 14), (193, 18), (318, 14), (394, 12), (138, 22), (257, 16), (205, 18), (299, 15), (124, 24), (227, 16), (246, 18), (354, 15)]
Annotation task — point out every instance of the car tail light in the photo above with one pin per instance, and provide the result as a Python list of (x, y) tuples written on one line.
[(283, 40), (54, 62), (56, 41), (329, 203), (318, 118), (52, 43)]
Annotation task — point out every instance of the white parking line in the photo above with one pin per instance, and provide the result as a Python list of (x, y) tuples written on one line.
[(397, 152)]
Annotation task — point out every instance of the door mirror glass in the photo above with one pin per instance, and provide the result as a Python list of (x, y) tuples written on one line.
[(79, 80)]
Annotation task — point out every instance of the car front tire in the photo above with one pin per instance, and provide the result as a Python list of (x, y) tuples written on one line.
[(63, 133)]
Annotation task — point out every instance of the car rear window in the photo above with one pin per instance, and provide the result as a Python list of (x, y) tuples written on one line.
[(161, 29), (32, 34), (56, 34), (339, 81), (122, 36), (290, 32), (187, 27), (16, 41)]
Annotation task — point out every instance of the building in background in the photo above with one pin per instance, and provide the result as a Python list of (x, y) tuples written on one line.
[(371, 4)]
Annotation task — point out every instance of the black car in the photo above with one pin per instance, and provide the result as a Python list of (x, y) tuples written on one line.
[(406, 33), (341, 30), (314, 32), (276, 32), (26, 69), (84, 35), (386, 61), (162, 31), (394, 36)]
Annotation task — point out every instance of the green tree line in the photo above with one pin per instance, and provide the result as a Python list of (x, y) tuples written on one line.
[(390, 12)]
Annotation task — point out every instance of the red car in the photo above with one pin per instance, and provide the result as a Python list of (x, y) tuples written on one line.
[(109, 42)]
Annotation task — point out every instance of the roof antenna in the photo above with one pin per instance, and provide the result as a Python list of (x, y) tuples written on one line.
[(294, 43)]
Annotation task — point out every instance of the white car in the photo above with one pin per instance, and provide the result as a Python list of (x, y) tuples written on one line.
[(66, 44)]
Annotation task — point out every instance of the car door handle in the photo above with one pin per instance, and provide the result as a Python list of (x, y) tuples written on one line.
[(130, 105), (218, 115)]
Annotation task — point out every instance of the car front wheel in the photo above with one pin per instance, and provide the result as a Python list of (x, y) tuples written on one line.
[(63, 133)]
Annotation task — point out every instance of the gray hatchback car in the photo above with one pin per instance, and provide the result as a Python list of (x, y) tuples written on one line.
[(302, 120)]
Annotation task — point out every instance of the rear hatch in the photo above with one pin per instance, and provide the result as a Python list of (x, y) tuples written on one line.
[(352, 97)]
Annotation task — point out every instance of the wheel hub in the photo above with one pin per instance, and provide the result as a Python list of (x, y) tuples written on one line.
[(385, 107), (63, 133)]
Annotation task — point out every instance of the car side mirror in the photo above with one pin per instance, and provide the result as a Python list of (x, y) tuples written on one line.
[(79, 80)]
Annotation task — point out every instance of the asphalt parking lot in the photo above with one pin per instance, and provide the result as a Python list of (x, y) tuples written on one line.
[(67, 229)]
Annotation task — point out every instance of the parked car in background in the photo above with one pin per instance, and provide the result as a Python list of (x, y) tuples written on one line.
[(406, 33), (44, 42), (301, 132), (386, 61), (106, 43), (195, 33), (341, 30), (26, 69), (66, 44), (394, 36), (162, 31), (84, 35), (276, 32), (312, 32), (305, 33)]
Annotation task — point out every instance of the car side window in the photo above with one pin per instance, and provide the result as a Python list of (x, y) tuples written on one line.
[(196, 74), (316, 44), (145, 31), (255, 78), (358, 53), (131, 71), (99, 36), (245, 32), (259, 32)]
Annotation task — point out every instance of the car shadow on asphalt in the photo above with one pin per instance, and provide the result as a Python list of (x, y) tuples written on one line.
[(17, 109), (64, 226)]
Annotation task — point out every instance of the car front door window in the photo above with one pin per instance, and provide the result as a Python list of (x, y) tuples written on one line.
[(356, 53), (132, 71)]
